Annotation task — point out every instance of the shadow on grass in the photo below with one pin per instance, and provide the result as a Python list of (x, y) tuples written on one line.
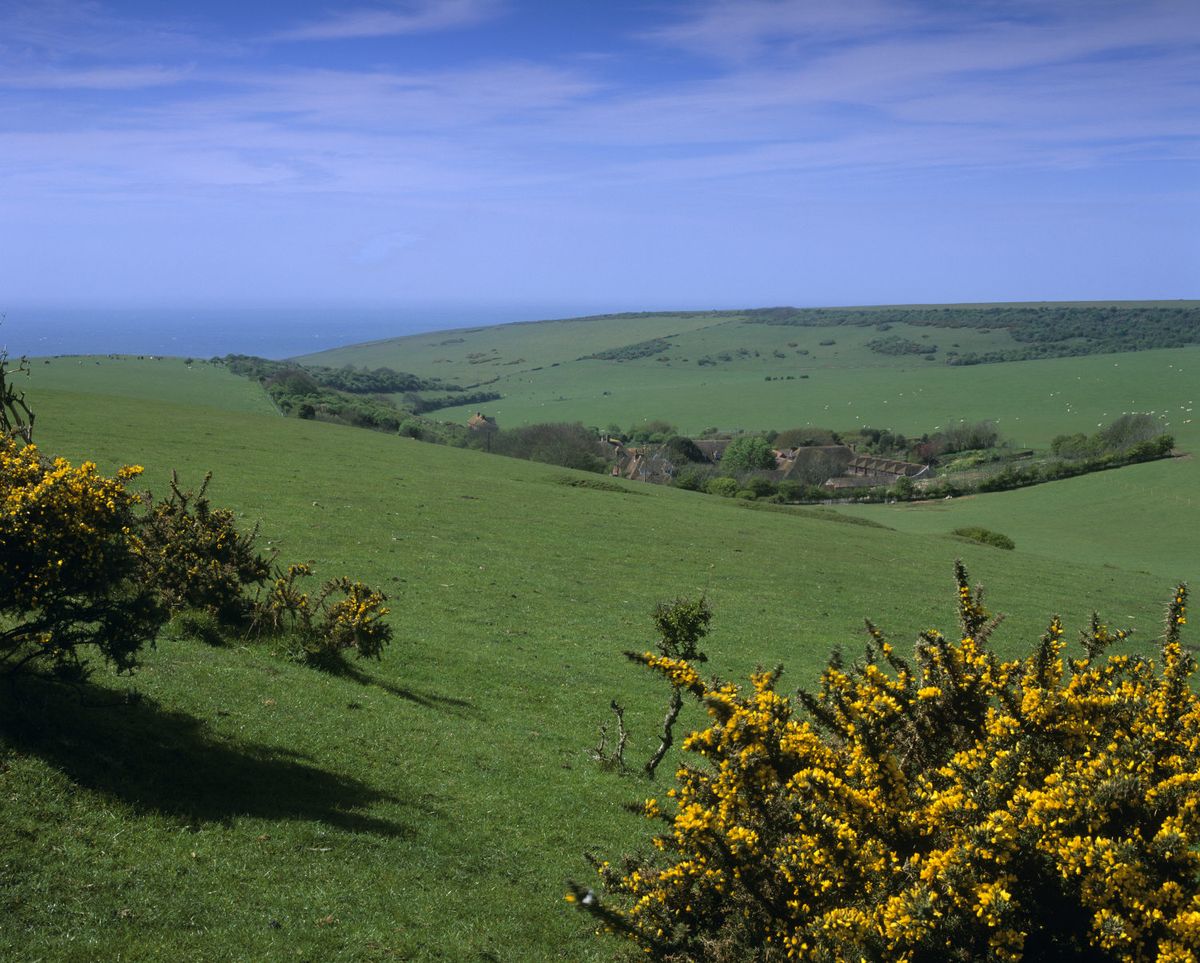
[(429, 700), (166, 762)]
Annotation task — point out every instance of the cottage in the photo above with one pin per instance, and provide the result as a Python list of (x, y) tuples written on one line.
[(481, 422)]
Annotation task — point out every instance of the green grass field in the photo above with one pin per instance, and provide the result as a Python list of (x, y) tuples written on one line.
[(431, 806), (1145, 518), (201, 384)]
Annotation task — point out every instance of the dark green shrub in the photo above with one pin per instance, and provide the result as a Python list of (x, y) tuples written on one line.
[(692, 478), (194, 556), (320, 629), (760, 486), (986, 536), (725, 487), (681, 449), (791, 491), (1155, 448), (565, 445)]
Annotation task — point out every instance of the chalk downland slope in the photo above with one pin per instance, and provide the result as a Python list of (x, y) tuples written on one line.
[(429, 806)]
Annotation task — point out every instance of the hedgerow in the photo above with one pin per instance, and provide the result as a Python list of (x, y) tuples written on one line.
[(960, 807)]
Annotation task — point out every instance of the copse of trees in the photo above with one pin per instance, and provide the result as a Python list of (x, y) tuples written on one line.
[(898, 346), (631, 352), (968, 436), (297, 391), (683, 450), (1116, 438), (1019, 477), (747, 453), (955, 806), (356, 396), (562, 444), (351, 380), (806, 437), (652, 432), (419, 405)]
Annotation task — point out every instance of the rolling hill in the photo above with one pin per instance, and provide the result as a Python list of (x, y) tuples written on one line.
[(431, 806), (782, 376)]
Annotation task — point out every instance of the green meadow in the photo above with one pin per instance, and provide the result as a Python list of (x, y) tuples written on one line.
[(1139, 517), (224, 804)]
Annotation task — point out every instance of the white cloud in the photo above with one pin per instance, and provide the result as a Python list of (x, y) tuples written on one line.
[(794, 105), (422, 16), (744, 29), (96, 78)]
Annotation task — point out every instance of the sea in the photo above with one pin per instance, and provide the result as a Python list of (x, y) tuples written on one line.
[(273, 332)]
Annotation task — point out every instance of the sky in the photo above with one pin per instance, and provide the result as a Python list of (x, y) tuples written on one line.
[(597, 154)]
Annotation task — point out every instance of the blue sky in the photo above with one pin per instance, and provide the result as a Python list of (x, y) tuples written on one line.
[(598, 154)]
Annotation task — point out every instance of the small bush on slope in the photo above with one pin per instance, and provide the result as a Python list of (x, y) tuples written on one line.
[(959, 808), (985, 536), (195, 556), (320, 629)]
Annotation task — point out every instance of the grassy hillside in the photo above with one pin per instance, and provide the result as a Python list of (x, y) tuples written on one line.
[(1145, 518), (598, 368), (1031, 400), (431, 806), (199, 383), (651, 367)]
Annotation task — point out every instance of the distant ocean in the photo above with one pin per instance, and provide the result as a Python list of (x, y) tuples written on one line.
[(213, 332)]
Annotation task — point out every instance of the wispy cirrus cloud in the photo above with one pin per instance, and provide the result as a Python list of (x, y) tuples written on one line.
[(746, 29), (719, 115), (1018, 31), (95, 78), (422, 16), (1042, 84)]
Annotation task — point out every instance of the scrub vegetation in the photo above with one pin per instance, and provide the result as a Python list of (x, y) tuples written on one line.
[(957, 806)]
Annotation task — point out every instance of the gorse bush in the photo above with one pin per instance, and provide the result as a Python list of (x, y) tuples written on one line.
[(69, 575), (195, 556), (960, 807), (320, 629), (80, 566)]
